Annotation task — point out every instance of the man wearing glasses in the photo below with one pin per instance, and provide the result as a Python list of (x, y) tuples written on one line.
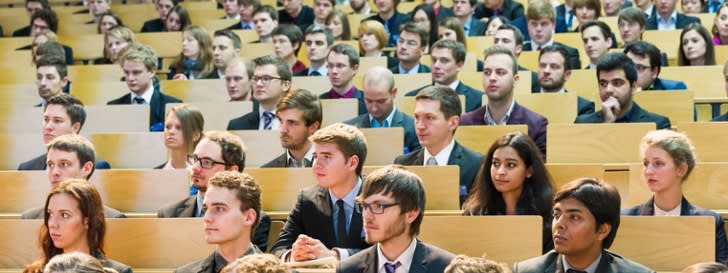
[(217, 151), (392, 204), (271, 78), (324, 222)]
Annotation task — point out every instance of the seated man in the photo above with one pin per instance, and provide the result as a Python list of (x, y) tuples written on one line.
[(98, 8), (69, 156), (379, 94), (554, 71), (246, 10), (343, 63), (647, 60), (217, 151), (239, 79), (464, 11), (231, 9), (51, 77), (597, 40), (586, 219), (232, 210), (510, 9), (324, 222), (437, 115), (271, 79), (666, 17), (45, 22), (139, 64), (412, 44), (31, 6), (508, 36), (391, 19), (541, 20), (294, 12), (392, 204), (225, 47), (63, 114), (299, 113), (318, 40), (265, 19), (617, 81), (163, 7)]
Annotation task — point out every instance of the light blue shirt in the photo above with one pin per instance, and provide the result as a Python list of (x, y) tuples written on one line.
[(670, 24)]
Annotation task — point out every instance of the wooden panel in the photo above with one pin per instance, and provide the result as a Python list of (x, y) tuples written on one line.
[(130, 150), (409, 82), (117, 118), (317, 85), (668, 41), (338, 110), (98, 93), (251, 51), (24, 190), (585, 84), (678, 106), (595, 143), (261, 146), (561, 174), (19, 242), (556, 107), (280, 186), (165, 44), (141, 190), (705, 138), (246, 36), (383, 144), (479, 138), (705, 81), (212, 90), (573, 39), (217, 115), (19, 148), (21, 119), (86, 44)]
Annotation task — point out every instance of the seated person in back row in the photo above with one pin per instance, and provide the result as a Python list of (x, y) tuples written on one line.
[(343, 63), (299, 113), (31, 6), (412, 44), (271, 79), (163, 7), (646, 58)]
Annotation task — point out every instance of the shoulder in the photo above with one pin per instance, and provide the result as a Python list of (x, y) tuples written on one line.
[(278, 162), (467, 90), (357, 262), (195, 266), (408, 159), (536, 264), (244, 122), (595, 117), (125, 99), (634, 210), (474, 117), (436, 254), (621, 264), (413, 92), (357, 121), (468, 152), (119, 267), (170, 210), (167, 98), (113, 213), (37, 163)]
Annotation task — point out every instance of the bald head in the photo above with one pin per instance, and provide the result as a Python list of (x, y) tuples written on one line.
[(379, 92), (379, 76)]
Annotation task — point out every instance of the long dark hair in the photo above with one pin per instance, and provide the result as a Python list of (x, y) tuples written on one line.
[(430, 12)]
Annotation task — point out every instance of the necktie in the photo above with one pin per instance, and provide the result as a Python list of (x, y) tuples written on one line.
[(391, 267), (569, 19), (575, 271), (341, 224), (314, 73), (139, 100), (432, 162), (267, 120)]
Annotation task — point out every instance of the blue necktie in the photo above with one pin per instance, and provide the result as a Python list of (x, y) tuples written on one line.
[(390, 268), (569, 19), (314, 73), (139, 100), (267, 120)]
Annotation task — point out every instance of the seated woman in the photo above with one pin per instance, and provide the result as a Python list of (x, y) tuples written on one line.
[(693, 6), (586, 10), (287, 41), (424, 16), (195, 60), (177, 19), (116, 40), (513, 180), (182, 131), (720, 26), (696, 47), (494, 23), (451, 28), (668, 159), (76, 262), (107, 21), (74, 215), (372, 39), (321, 10), (338, 23)]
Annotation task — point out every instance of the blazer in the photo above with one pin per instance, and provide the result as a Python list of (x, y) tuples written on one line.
[(249, 121), (551, 262), (636, 114), (207, 265), (473, 97), (156, 107), (39, 164), (687, 209), (572, 57), (22, 32), (399, 119), (520, 115), (583, 106), (511, 10), (154, 25), (663, 84), (681, 22), (444, 13), (37, 213), (477, 28), (422, 69), (304, 73), (358, 95), (188, 206), (67, 50), (213, 75), (303, 20), (313, 216), (468, 161), (427, 258), (281, 162)]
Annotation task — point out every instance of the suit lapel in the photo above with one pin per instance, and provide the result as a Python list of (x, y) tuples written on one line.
[(556, 267), (397, 119), (324, 204), (189, 208), (156, 106), (647, 208), (419, 259), (370, 261), (456, 155), (420, 158)]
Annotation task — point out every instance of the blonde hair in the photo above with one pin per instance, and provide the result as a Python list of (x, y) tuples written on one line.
[(76, 262), (256, 263), (119, 32), (465, 264), (676, 144)]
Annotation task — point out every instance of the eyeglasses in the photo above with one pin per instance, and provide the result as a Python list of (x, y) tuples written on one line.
[(205, 162), (265, 79), (374, 208)]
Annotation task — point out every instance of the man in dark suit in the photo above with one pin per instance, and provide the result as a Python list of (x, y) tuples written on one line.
[(502, 109), (52, 77), (225, 47), (98, 8), (541, 20), (567, 14), (271, 78), (239, 79), (553, 73), (413, 43), (294, 12), (448, 57), (617, 82), (510, 37), (437, 115), (265, 20), (31, 6), (232, 212), (318, 40), (217, 151), (597, 39), (379, 94), (392, 19), (646, 58), (666, 17), (581, 245), (464, 11), (324, 222), (246, 10), (509, 8), (69, 156), (163, 7), (140, 66), (299, 113), (392, 204), (343, 63), (63, 114)]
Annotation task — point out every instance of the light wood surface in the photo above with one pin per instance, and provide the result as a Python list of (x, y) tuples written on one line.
[(595, 143)]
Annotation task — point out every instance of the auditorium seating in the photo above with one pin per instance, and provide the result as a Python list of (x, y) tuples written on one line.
[(595, 143), (706, 139)]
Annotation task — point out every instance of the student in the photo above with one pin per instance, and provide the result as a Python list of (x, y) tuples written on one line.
[(318, 40), (271, 79), (389, 17), (225, 47), (195, 60), (696, 47), (299, 113), (597, 40), (246, 11), (646, 58), (239, 79), (666, 17), (183, 127), (163, 7), (51, 78), (541, 20), (411, 45), (294, 12), (287, 41), (343, 64), (31, 6), (265, 19), (553, 72), (464, 11)]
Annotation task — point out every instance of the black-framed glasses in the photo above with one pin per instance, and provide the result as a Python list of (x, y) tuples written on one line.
[(205, 162), (374, 208), (265, 79)]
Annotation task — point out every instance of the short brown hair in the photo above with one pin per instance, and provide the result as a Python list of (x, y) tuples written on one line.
[(449, 100), (83, 148), (404, 186), (247, 191), (232, 148), (72, 105), (303, 100), (349, 139), (191, 121)]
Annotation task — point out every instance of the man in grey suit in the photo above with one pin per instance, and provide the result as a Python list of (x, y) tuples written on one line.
[(392, 204), (217, 151), (69, 156), (437, 115), (586, 219), (379, 93), (299, 113)]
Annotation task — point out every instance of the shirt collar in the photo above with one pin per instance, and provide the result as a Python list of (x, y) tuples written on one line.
[(323, 69), (535, 46), (673, 212), (562, 90), (453, 85), (592, 268), (349, 198), (490, 121), (443, 156), (199, 198), (414, 69), (308, 156), (389, 118), (147, 95), (405, 258)]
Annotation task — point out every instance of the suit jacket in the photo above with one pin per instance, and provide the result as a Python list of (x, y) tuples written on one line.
[(313, 216), (687, 209), (303, 73), (473, 97), (37, 213), (281, 162), (427, 258), (188, 206), (156, 107), (67, 50), (358, 95), (154, 25), (682, 20), (511, 10), (520, 115), (249, 121), (303, 20), (444, 13), (400, 119), (572, 57), (22, 32), (422, 69), (39, 164), (207, 265), (468, 161), (663, 84), (477, 28), (213, 75), (636, 114), (551, 262)]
